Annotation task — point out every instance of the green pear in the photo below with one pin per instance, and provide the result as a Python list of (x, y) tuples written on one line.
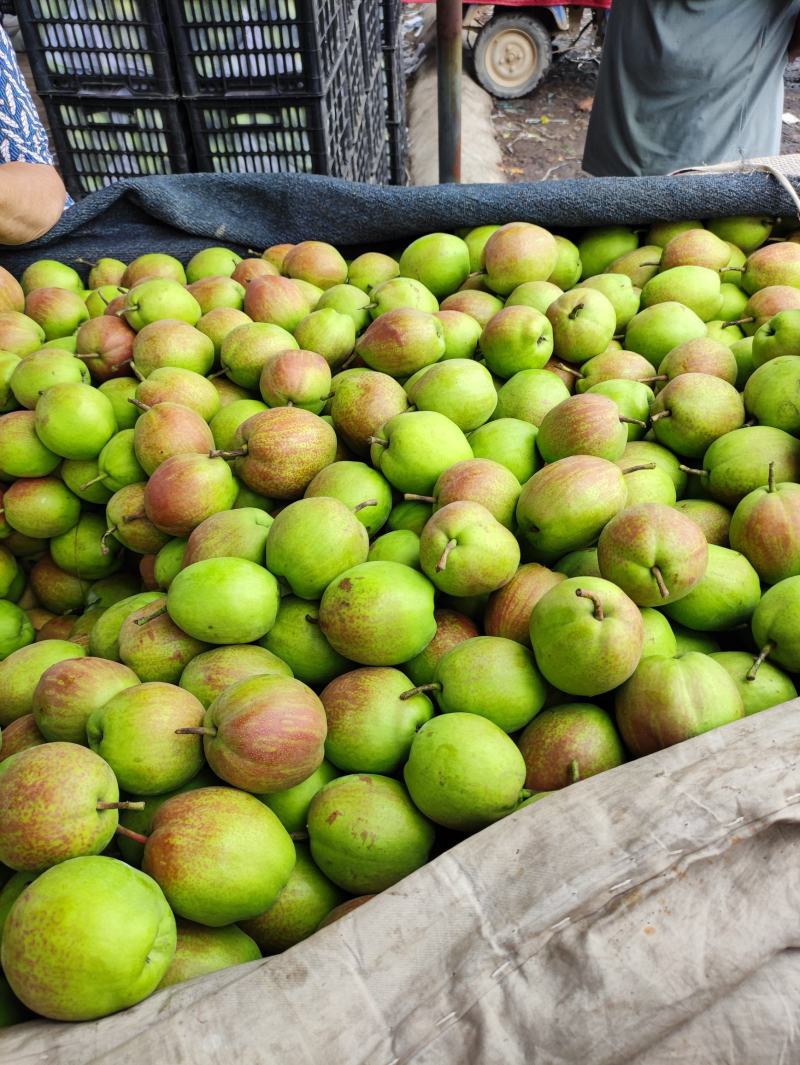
[(241, 533), (696, 287), (460, 389), (516, 338), (493, 677), (440, 261), (639, 265), (377, 836), (584, 321), (225, 423), (413, 449), (21, 671), (372, 719), (118, 391), (587, 636), (536, 294), (668, 700), (694, 410), (104, 638), (475, 239), (652, 552), (43, 369), (247, 348), (329, 333), (41, 507), (135, 732), (297, 639), (71, 690), (695, 247), (22, 453), (711, 517), (769, 687), (511, 442), (620, 292), (59, 800), (465, 551), (296, 914), (659, 639), (633, 401), (464, 772), (201, 951), (85, 550), (49, 273), (312, 541), (85, 916), (765, 303), (362, 490), (370, 269), (153, 646), (725, 597), (400, 545), (518, 252), (568, 743), (765, 528), (739, 462), (74, 420), (291, 805), (779, 336), (529, 395), (16, 629), (734, 301), (378, 613), (160, 298), (588, 424), (772, 393), (219, 855), (567, 270), (211, 672), (461, 334), (224, 600), (603, 245), (348, 300), (564, 506), (655, 331), (688, 640), (475, 303), (747, 232)]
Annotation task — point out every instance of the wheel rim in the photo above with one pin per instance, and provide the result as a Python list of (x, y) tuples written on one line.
[(511, 58)]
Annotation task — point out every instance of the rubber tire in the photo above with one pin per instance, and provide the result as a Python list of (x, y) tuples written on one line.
[(533, 28)]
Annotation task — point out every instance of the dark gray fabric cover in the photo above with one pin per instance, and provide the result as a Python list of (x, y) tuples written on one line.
[(688, 83), (183, 213)]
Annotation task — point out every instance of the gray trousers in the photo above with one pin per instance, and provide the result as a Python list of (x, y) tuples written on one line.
[(688, 83)]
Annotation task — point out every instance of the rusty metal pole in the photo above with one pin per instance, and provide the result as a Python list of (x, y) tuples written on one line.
[(448, 69)]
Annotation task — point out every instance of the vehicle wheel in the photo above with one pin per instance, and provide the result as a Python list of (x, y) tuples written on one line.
[(512, 55)]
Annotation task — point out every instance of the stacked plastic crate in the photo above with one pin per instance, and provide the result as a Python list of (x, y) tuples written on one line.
[(140, 87), (104, 71)]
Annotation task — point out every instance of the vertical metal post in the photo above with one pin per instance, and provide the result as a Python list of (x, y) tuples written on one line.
[(448, 69)]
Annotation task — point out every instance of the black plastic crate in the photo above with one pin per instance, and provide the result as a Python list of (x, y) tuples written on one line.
[(100, 140), (264, 135), (369, 160), (371, 24), (97, 46), (394, 99), (7, 7), (261, 47)]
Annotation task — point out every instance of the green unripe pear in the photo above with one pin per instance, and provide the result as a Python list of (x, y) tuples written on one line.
[(84, 551), (370, 269), (75, 420), (201, 951), (356, 484), (400, 545), (769, 687), (291, 805), (224, 600), (656, 330), (587, 636), (412, 450), (440, 261), (536, 294), (460, 389), (659, 639), (169, 562), (398, 293), (620, 292), (567, 270), (747, 232), (377, 838), (695, 287), (584, 321), (603, 245), (775, 625), (739, 462), (297, 639), (529, 395), (158, 298), (464, 772), (725, 597), (510, 442), (461, 334), (21, 671)]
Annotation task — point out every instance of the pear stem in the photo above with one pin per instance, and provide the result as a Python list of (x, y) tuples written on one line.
[(300, 836), (442, 563), (632, 421), (104, 548), (121, 830), (200, 730), (138, 516), (236, 454), (362, 506), (412, 497), (771, 478), (151, 617), (90, 355), (120, 806), (377, 440), (312, 620), (568, 369), (663, 591), (660, 414), (136, 371), (94, 480), (651, 380), (138, 403), (764, 654), (595, 598), (739, 321), (421, 689), (692, 470), (643, 466), (574, 771), (576, 310)]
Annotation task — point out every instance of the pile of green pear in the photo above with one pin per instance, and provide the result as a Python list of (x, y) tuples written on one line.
[(311, 567)]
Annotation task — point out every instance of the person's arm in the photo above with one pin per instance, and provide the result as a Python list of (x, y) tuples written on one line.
[(32, 198)]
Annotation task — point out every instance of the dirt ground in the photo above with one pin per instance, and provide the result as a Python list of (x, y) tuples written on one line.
[(542, 135)]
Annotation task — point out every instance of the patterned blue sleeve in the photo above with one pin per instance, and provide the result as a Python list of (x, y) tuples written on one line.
[(22, 135)]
